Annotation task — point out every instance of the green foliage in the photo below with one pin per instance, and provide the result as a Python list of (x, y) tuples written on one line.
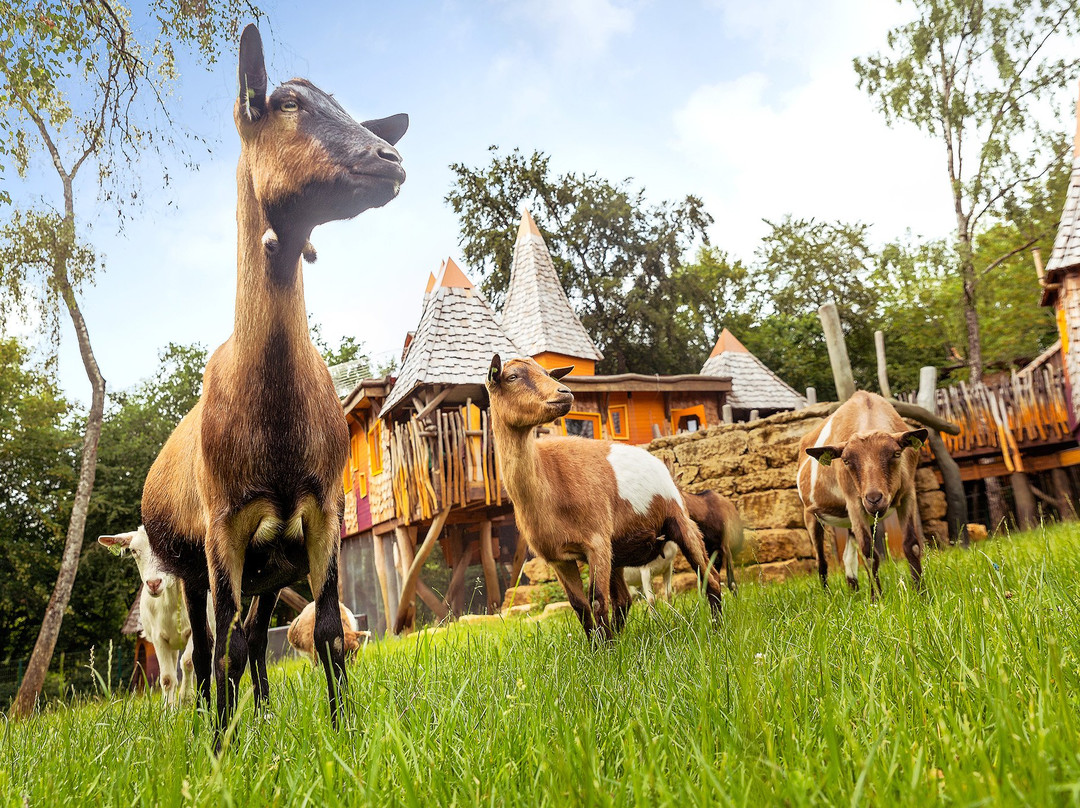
[(965, 696), (38, 448), (980, 78), (617, 257), (348, 349)]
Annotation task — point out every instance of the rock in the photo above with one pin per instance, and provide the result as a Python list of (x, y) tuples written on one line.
[(518, 595), (538, 571), (936, 531), (766, 480), (557, 606), (926, 479), (766, 546), (780, 570), (683, 582), (976, 531), (480, 618), (772, 509), (932, 505), (517, 611), (779, 434)]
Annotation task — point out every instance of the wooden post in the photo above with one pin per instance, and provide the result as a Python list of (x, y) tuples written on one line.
[(995, 501), (406, 612), (455, 590), (380, 571), (1026, 515), (753, 415), (1063, 492), (927, 396), (655, 431), (491, 574), (433, 601), (882, 368), (838, 355), (728, 415), (811, 396)]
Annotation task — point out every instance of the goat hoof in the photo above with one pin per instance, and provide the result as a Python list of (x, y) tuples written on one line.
[(853, 584)]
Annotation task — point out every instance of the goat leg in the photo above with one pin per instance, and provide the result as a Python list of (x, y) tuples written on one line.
[(570, 577), (256, 627)]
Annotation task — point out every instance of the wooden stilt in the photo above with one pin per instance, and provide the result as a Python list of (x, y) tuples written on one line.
[(491, 574), (1026, 515), (406, 613), (1063, 493)]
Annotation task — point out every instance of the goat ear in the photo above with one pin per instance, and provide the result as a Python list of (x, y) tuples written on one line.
[(825, 454), (495, 371), (390, 129), (116, 544), (558, 373), (252, 75), (914, 439)]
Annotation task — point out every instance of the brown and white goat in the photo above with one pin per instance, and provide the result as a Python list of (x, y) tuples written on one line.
[(875, 476), (301, 633), (245, 496), (721, 528), (577, 499)]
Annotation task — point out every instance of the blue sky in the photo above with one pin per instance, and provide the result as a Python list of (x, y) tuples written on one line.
[(751, 105)]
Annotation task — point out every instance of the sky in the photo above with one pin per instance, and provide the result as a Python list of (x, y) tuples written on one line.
[(750, 105)]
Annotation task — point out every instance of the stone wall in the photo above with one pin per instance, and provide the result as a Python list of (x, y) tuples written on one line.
[(754, 464)]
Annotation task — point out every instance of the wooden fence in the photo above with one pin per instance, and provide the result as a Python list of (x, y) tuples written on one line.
[(1006, 416), (448, 459)]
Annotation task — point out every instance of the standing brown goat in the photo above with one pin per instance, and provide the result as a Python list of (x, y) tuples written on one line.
[(577, 499), (721, 528), (246, 494), (876, 475)]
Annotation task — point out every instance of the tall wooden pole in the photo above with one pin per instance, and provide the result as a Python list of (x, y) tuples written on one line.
[(882, 368), (406, 612), (491, 575), (956, 510), (838, 355)]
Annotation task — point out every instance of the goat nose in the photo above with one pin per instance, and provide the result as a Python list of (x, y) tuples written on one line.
[(389, 153), (154, 584), (565, 391), (875, 497)]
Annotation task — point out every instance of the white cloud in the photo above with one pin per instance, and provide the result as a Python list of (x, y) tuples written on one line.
[(580, 28), (819, 150)]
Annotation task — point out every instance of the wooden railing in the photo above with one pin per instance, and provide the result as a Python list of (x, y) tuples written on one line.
[(448, 459), (1006, 416)]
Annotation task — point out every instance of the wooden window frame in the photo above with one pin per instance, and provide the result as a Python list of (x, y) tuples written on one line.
[(625, 416), (594, 417), (676, 415)]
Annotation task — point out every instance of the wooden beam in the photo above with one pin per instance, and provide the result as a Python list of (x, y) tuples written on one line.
[(433, 601), (491, 574), (408, 588), (380, 571), (293, 599), (455, 590), (435, 402), (1026, 514), (838, 355), (882, 367), (1063, 491)]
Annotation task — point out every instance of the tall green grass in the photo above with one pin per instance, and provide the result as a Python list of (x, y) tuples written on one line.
[(967, 695)]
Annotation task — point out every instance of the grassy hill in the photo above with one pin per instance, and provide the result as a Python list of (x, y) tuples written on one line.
[(966, 695)]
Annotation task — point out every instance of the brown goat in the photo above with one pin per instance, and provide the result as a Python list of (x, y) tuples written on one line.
[(721, 528), (301, 634), (245, 496), (578, 499), (876, 475)]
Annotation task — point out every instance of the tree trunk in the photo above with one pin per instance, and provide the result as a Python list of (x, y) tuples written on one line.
[(995, 502), (1027, 516), (38, 666), (971, 319)]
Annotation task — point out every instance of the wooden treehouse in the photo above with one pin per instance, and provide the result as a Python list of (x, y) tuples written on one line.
[(422, 469)]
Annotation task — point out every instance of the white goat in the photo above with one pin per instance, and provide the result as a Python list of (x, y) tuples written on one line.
[(162, 610), (640, 578)]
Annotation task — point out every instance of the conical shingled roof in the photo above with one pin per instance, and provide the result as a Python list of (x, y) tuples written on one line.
[(753, 385), (454, 341), (537, 315)]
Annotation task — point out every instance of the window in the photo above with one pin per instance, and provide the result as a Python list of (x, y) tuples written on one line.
[(618, 423), (690, 419), (582, 424), (375, 448)]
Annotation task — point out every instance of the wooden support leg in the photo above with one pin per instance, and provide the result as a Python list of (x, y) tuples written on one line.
[(491, 575), (995, 501), (1026, 514), (1063, 493), (406, 614)]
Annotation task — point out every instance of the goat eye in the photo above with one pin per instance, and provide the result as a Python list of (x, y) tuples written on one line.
[(289, 106), (897, 453), (511, 377)]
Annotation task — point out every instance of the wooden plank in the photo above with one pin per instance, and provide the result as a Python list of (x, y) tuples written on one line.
[(406, 615), (491, 575)]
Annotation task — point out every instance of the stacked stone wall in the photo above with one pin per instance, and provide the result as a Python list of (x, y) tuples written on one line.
[(754, 464)]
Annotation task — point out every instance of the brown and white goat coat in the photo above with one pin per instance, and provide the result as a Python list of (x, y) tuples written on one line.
[(577, 499), (856, 468)]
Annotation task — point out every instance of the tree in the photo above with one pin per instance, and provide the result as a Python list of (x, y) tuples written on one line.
[(616, 256), (804, 263), (979, 78), (348, 349), (79, 86), (37, 470)]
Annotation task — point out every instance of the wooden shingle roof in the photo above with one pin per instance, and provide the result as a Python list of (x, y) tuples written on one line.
[(538, 316), (1066, 253), (454, 341), (753, 385)]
